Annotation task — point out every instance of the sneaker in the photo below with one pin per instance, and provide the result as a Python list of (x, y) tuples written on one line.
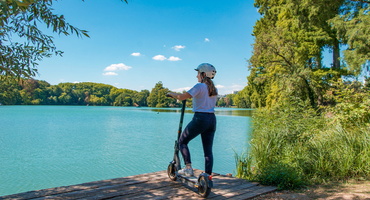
[(186, 172)]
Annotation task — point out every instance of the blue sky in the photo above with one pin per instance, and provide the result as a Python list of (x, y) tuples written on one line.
[(136, 45)]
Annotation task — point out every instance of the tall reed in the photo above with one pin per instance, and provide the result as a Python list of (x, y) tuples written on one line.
[(338, 153), (293, 146)]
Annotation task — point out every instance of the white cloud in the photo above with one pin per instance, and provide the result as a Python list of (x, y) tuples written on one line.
[(173, 58), (229, 89), (206, 40), (162, 58), (178, 47), (180, 90), (237, 87), (116, 67), (159, 57), (110, 74), (136, 54)]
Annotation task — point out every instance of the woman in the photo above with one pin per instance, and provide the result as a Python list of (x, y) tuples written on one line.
[(204, 96)]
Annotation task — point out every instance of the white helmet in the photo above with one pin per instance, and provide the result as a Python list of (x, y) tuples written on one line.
[(207, 68)]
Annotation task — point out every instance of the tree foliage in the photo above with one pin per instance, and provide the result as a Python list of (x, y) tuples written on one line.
[(353, 27), (22, 43), (157, 97), (312, 121), (290, 40), (226, 101), (35, 92)]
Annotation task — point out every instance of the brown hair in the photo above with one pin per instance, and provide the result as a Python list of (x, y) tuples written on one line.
[(212, 91)]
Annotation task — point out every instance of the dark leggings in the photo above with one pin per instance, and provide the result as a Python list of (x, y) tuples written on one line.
[(205, 125)]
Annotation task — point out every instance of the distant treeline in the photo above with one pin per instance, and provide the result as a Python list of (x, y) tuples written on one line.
[(38, 92)]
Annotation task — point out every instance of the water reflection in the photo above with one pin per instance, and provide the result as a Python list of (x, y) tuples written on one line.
[(219, 111), (235, 112)]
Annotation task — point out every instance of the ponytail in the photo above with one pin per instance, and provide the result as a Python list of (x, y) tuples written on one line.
[(212, 91)]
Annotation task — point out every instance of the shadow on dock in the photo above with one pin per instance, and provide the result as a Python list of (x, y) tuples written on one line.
[(155, 185)]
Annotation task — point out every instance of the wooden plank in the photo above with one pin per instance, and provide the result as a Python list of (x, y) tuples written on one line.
[(227, 182), (59, 190), (154, 185), (169, 191), (131, 191), (85, 186), (179, 193), (92, 191), (108, 191), (45, 192)]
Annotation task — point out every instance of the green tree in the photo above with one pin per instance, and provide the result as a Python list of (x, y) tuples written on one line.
[(54, 92), (229, 100), (367, 83), (67, 96), (19, 57), (226, 101), (31, 91), (125, 97), (221, 102), (65, 99), (114, 94), (291, 84), (353, 28), (157, 97), (242, 98), (351, 103), (140, 98), (97, 101), (291, 37), (10, 91)]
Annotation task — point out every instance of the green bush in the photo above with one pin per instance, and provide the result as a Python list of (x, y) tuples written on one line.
[(281, 175)]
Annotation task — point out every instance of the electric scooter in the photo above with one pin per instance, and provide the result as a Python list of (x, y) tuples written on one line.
[(203, 182)]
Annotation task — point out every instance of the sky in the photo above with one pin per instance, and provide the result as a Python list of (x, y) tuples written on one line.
[(136, 45)]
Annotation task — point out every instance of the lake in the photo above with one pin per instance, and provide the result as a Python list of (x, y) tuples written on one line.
[(49, 146)]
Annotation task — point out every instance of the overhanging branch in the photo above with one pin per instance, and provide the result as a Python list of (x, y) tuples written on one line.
[(362, 1)]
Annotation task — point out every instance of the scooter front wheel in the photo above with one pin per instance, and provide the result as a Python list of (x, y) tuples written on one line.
[(171, 172), (204, 186)]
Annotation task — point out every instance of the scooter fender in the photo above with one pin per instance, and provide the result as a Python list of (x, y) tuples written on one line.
[(208, 177)]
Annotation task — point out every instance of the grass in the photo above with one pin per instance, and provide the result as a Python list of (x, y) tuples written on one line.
[(293, 146)]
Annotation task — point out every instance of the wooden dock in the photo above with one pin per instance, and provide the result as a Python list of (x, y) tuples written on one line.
[(155, 185)]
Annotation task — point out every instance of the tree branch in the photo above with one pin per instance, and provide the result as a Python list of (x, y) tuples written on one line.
[(362, 1)]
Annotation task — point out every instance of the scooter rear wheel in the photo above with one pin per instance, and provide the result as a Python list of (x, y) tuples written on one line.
[(204, 188), (171, 172)]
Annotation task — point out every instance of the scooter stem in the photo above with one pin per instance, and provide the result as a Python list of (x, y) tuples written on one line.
[(181, 119), (176, 158)]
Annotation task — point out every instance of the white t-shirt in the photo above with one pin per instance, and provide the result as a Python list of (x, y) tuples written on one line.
[(202, 102)]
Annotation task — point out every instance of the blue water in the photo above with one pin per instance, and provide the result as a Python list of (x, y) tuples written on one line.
[(49, 146)]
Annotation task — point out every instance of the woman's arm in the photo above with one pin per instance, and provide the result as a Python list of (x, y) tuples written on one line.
[(179, 96)]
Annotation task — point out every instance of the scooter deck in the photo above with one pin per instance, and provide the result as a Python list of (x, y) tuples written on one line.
[(190, 181), (189, 178), (193, 178)]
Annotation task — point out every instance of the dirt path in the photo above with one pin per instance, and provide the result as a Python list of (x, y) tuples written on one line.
[(358, 190)]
